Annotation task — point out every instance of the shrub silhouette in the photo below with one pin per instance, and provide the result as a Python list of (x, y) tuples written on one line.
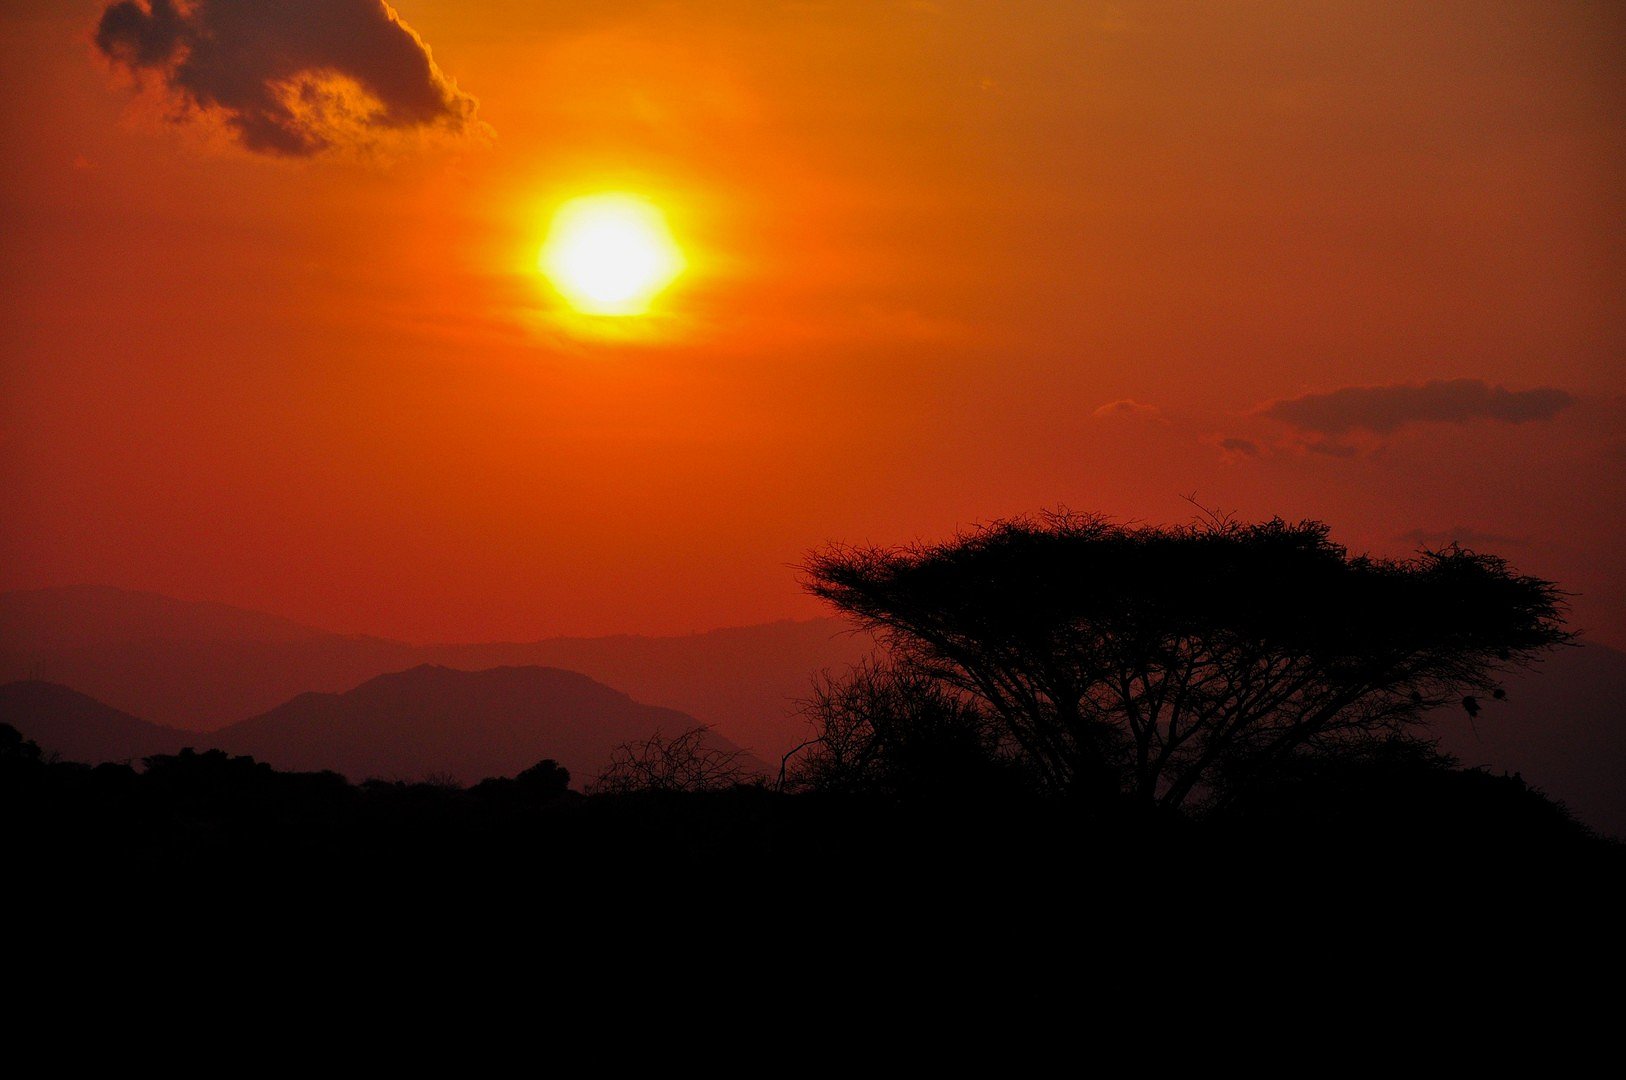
[(547, 779), (889, 730), (685, 762), (15, 748), (1178, 665), (543, 782)]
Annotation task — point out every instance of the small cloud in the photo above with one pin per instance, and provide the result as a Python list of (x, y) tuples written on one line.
[(1383, 409), (1234, 450), (288, 77), (1127, 409)]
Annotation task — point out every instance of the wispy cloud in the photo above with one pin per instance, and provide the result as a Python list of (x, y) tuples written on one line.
[(1234, 450), (1384, 409)]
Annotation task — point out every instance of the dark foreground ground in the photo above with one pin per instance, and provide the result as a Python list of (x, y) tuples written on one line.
[(209, 817), (205, 870)]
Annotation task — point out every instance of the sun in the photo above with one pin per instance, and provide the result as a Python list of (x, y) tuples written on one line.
[(610, 254)]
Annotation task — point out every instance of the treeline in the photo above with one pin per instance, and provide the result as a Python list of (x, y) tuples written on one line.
[(1398, 806)]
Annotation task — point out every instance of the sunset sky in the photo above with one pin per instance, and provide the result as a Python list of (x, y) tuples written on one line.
[(275, 334)]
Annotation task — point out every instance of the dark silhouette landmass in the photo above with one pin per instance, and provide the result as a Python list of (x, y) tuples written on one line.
[(1391, 820), (746, 682), (178, 663), (464, 724), (203, 666), (198, 666), (77, 727), (457, 726)]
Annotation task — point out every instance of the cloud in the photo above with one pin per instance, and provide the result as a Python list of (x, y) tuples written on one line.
[(288, 77), (1331, 448), (1128, 410), (1243, 447), (1383, 409), (1234, 450)]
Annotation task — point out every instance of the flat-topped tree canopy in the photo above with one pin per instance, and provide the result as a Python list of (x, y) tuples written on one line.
[(1179, 661)]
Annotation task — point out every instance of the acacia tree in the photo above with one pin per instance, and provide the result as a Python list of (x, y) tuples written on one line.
[(1178, 663)]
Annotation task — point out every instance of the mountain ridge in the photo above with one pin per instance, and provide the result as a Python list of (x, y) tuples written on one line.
[(470, 724), (77, 727), (744, 681), (406, 725), (1562, 726)]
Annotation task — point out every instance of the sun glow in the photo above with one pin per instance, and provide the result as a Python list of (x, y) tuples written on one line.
[(610, 254)]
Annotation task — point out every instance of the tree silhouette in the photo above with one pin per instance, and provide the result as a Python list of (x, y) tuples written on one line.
[(13, 747), (547, 779), (685, 762), (888, 730), (1177, 664)]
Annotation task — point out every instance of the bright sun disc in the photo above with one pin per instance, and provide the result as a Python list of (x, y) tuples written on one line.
[(610, 254)]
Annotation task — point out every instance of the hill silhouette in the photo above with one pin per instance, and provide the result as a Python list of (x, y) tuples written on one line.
[(76, 727), (202, 666), (90, 616), (433, 720), (179, 663), (745, 681)]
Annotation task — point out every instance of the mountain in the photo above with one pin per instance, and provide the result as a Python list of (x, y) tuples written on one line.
[(80, 728), (202, 666), (469, 724), (205, 665), (95, 616), (179, 663), (745, 681)]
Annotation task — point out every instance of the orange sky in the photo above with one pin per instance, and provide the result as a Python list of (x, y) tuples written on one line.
[(931, 245)]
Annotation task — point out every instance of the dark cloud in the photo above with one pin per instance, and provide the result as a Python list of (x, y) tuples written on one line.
[(1234, 450), (1331, 448), (1383, 409), (284, 74), (1244, 447)]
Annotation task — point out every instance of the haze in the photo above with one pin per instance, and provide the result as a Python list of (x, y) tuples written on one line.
[(1358, 262)]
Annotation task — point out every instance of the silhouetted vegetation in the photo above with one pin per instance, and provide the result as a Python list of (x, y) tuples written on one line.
[(1175, 666), (896, 731), (543, 782), (686, 762), (1103, 736), (900, 803)]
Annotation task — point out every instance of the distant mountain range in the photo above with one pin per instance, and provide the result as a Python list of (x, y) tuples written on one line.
[(202, 666), (77, 727), (430, 720), (207, 666), (471, 724)]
